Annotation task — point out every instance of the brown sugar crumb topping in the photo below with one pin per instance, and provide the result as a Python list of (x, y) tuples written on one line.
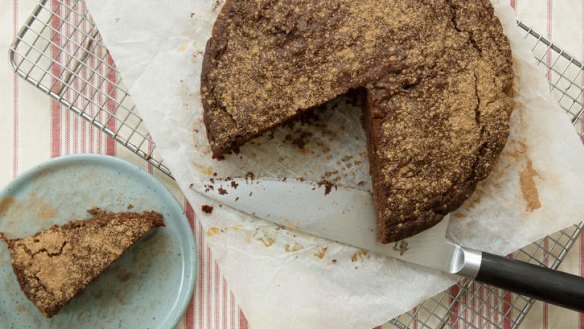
[(54, 265), (436, 77)]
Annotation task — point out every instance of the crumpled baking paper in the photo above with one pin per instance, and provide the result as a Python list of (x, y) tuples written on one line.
[(283, 279)]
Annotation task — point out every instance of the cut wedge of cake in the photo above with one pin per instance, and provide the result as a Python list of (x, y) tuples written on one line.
[(437, 77), (55, 265)]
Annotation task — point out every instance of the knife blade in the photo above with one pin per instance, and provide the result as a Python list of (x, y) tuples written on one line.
[(348, 216), (336, 213)]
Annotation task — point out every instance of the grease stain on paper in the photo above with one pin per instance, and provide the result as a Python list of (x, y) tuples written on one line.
[(359, 255), (214, 230), (296, 247), (321, 253), (289, 223), (266, 237), (267, 241), (217, 230), (207, 171)]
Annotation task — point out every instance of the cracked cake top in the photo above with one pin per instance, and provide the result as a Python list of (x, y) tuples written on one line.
[(436, 75)]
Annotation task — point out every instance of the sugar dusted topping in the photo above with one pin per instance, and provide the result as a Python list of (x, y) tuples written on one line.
[(437, 76), (436, 129), (271, 59), (54, 265)]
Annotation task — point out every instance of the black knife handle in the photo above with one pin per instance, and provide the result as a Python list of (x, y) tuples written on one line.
[(538, 282)]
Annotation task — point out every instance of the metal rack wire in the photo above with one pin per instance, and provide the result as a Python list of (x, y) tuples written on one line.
[(60, 52)]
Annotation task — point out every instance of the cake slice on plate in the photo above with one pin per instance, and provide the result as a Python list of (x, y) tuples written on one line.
[(55, 265)]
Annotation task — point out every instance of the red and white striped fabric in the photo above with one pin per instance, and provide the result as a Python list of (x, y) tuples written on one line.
[(34, 128)]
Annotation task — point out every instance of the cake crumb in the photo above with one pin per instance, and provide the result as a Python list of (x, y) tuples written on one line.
[(328, 186), (207, 209)]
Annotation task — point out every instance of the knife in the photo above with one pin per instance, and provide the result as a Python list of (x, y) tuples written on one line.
[(348, 216)]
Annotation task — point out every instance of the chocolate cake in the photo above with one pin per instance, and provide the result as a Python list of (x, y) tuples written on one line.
[(436, 76), (55, 265)]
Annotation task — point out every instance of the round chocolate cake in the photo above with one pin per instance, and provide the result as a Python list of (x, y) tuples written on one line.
[(436, 76)]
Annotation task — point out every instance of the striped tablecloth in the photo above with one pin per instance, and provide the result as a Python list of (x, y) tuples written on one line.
[(34, 128)]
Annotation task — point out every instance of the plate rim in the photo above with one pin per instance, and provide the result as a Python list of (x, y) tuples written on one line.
[(190, 269)]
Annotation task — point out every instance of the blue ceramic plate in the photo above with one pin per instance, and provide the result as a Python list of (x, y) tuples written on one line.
[(148, 287)]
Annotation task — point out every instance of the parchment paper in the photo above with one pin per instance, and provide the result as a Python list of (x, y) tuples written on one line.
[(283, 279)]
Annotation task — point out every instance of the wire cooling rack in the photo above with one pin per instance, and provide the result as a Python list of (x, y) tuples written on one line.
[(60, 51)]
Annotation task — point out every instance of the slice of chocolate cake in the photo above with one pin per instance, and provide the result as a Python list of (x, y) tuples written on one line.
[(55, 265), (437, 76)]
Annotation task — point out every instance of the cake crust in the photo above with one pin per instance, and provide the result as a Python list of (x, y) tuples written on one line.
[(437, 78), (55, 265)]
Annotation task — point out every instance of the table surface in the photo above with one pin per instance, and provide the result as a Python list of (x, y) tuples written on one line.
[(34, 128)]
